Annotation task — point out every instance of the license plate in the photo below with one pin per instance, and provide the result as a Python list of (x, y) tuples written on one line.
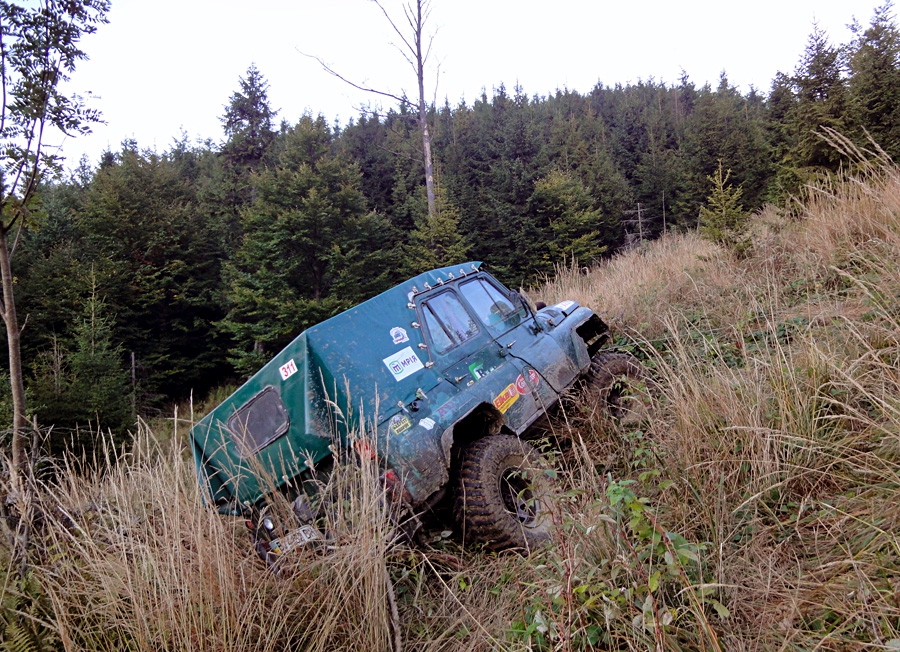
[(303, 534)]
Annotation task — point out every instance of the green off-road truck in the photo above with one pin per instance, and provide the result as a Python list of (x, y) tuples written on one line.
[(444, 373)]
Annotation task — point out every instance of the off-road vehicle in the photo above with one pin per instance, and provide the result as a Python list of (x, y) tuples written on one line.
[(446, 372)]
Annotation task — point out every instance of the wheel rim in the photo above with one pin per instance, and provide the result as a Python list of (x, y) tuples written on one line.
[(518, 499)]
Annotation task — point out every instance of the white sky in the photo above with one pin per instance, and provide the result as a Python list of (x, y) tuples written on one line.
[(163, 67)]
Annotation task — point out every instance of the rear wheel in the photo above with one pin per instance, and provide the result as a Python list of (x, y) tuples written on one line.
[(502, 494)]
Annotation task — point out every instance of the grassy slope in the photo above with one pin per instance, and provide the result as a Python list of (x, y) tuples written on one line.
[(755, 509)]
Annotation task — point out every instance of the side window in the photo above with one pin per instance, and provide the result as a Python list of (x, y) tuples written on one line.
[(493, 308), (258, 422), (448, 322)]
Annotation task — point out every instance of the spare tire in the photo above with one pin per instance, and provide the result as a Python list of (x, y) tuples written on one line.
[(502, 494), (617, 382)]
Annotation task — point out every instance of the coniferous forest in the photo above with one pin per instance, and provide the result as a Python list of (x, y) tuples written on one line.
[(147, 277)]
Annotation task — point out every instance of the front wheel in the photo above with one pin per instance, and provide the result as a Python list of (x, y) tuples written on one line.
[(618, 383), (502, 494)]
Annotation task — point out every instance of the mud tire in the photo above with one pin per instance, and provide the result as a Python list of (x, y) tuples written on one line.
[(502, 494), (617, 382)]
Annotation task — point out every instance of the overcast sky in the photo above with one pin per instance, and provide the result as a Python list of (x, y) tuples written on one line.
[(161, 68)]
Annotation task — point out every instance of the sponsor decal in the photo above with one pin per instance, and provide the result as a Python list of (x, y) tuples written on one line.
[(403, 363), (287, 370), (400, 423), (399, 335), (564, 305), (427, 423), (477, 370), (506, 398), (445, 409), (525, 386)]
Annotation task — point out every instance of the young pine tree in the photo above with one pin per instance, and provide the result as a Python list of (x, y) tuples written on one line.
[(82, 387), (723, 219)]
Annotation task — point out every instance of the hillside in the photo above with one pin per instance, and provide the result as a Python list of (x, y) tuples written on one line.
[(754, 509)]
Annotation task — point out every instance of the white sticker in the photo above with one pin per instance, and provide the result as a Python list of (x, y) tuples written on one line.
[(399, 335), (403, 363), (427, 423), (288, 370), (564, 305)]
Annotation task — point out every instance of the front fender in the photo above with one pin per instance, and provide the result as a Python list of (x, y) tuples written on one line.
[(578, 334)]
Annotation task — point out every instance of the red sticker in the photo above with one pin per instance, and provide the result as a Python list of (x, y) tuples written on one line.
[(521, 387), (533, 381)]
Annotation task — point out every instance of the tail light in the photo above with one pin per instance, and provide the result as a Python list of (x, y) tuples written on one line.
[(394, 487)]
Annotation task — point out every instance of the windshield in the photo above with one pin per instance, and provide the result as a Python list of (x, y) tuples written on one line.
[(494, 309)]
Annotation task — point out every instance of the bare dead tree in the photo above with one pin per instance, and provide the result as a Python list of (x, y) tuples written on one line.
[(415, 47)]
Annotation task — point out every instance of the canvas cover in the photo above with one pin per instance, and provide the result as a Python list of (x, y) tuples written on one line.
[(352, 369)]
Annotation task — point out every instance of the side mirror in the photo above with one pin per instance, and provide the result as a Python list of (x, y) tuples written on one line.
[(519, 302)]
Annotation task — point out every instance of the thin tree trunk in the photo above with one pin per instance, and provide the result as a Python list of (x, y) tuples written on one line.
[(17, 504), (423, 116), (429, 168), (17, 385), (416, 59)]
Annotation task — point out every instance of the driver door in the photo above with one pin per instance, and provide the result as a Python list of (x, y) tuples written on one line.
[(545, 370), (463, 349)]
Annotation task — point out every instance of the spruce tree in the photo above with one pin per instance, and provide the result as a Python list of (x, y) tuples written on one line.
[(725, 128), (874, 82), (158, 258), (821, 94), (249, 132), (782, 138), (436, 242), (365, 141), (571, 223), (248, 122), (307, 219)]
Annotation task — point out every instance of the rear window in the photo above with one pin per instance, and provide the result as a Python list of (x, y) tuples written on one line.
[(258, 422)]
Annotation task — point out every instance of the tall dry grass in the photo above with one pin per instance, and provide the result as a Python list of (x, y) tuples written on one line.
[(131, 558), (777, 417), (634, 291)]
